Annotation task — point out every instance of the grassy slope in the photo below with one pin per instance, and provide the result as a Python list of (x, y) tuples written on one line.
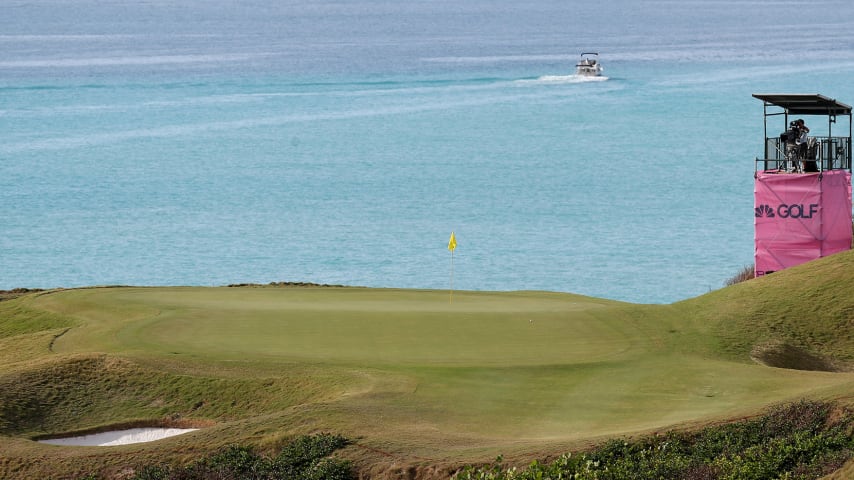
[(810, 307), (417, 379)]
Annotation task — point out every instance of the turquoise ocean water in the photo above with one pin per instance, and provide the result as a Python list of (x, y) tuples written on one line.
[(214, 142)]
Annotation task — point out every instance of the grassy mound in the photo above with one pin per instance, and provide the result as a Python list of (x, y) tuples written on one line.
[(802, 317), (422, 385), (99, 390), (18, 318)]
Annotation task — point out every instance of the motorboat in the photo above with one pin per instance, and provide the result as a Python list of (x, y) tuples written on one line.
[(589, 65)]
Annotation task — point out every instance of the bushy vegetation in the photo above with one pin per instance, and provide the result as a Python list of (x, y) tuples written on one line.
[(306, 458), (804, 440), (743, 275)]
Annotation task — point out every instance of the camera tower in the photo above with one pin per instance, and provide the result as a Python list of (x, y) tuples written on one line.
[(802, 188)]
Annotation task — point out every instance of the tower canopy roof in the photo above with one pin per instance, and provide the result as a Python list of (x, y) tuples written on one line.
[(805, 104)]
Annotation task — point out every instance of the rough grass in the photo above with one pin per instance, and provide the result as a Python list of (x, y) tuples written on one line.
[(800, 441), (808, 307), (420, 384), (62, 396)]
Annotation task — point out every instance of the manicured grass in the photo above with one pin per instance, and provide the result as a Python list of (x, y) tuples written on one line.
[(413, 378)]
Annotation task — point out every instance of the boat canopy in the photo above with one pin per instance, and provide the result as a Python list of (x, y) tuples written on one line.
[(805, 104)]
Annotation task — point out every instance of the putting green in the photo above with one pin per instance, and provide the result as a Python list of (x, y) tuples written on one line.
[(374, 327)]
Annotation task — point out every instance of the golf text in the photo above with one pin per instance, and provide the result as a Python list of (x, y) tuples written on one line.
[(787, 211)]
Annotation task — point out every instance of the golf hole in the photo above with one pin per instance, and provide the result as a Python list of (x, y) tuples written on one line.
[(119, 437)]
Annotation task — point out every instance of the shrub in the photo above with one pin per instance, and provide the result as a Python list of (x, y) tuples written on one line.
[(153, 472), (745, 274), (302, 457), (306, 458), (239, 460)]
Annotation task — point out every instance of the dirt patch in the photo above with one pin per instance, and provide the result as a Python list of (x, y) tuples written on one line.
[(56, 337), (784, 355)]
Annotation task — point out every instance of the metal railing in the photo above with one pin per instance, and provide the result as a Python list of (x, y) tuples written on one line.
[(831, 153)]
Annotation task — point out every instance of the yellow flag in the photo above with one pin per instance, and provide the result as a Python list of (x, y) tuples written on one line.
[(452, 244)]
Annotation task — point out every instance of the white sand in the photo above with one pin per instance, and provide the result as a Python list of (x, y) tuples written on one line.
[(119, 437)]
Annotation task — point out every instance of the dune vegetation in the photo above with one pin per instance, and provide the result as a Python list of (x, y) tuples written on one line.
[(419, 383)]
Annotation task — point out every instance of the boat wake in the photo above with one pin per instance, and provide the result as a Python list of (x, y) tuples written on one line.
[(561, 79)]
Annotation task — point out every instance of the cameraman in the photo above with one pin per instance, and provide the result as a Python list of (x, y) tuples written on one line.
[(795, 139), (806, 148), (803, 129), (801, 140), (789, 139)]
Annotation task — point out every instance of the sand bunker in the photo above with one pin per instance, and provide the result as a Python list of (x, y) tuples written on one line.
[(119, 437)]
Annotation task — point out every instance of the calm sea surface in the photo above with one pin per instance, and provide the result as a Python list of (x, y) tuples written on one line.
[(208, 142)]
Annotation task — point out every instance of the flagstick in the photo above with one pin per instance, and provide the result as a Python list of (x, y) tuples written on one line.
[(451, 292), (452, 245)]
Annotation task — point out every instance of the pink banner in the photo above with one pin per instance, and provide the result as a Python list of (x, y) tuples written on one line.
[(800, 217)]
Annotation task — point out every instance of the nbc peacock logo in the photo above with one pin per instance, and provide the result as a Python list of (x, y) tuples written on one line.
[(764, 211)]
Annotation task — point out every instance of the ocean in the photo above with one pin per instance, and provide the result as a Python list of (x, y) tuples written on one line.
[(212, 142)]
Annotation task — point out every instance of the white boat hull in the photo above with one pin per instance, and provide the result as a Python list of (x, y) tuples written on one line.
[(588, 66), (589, 71)]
